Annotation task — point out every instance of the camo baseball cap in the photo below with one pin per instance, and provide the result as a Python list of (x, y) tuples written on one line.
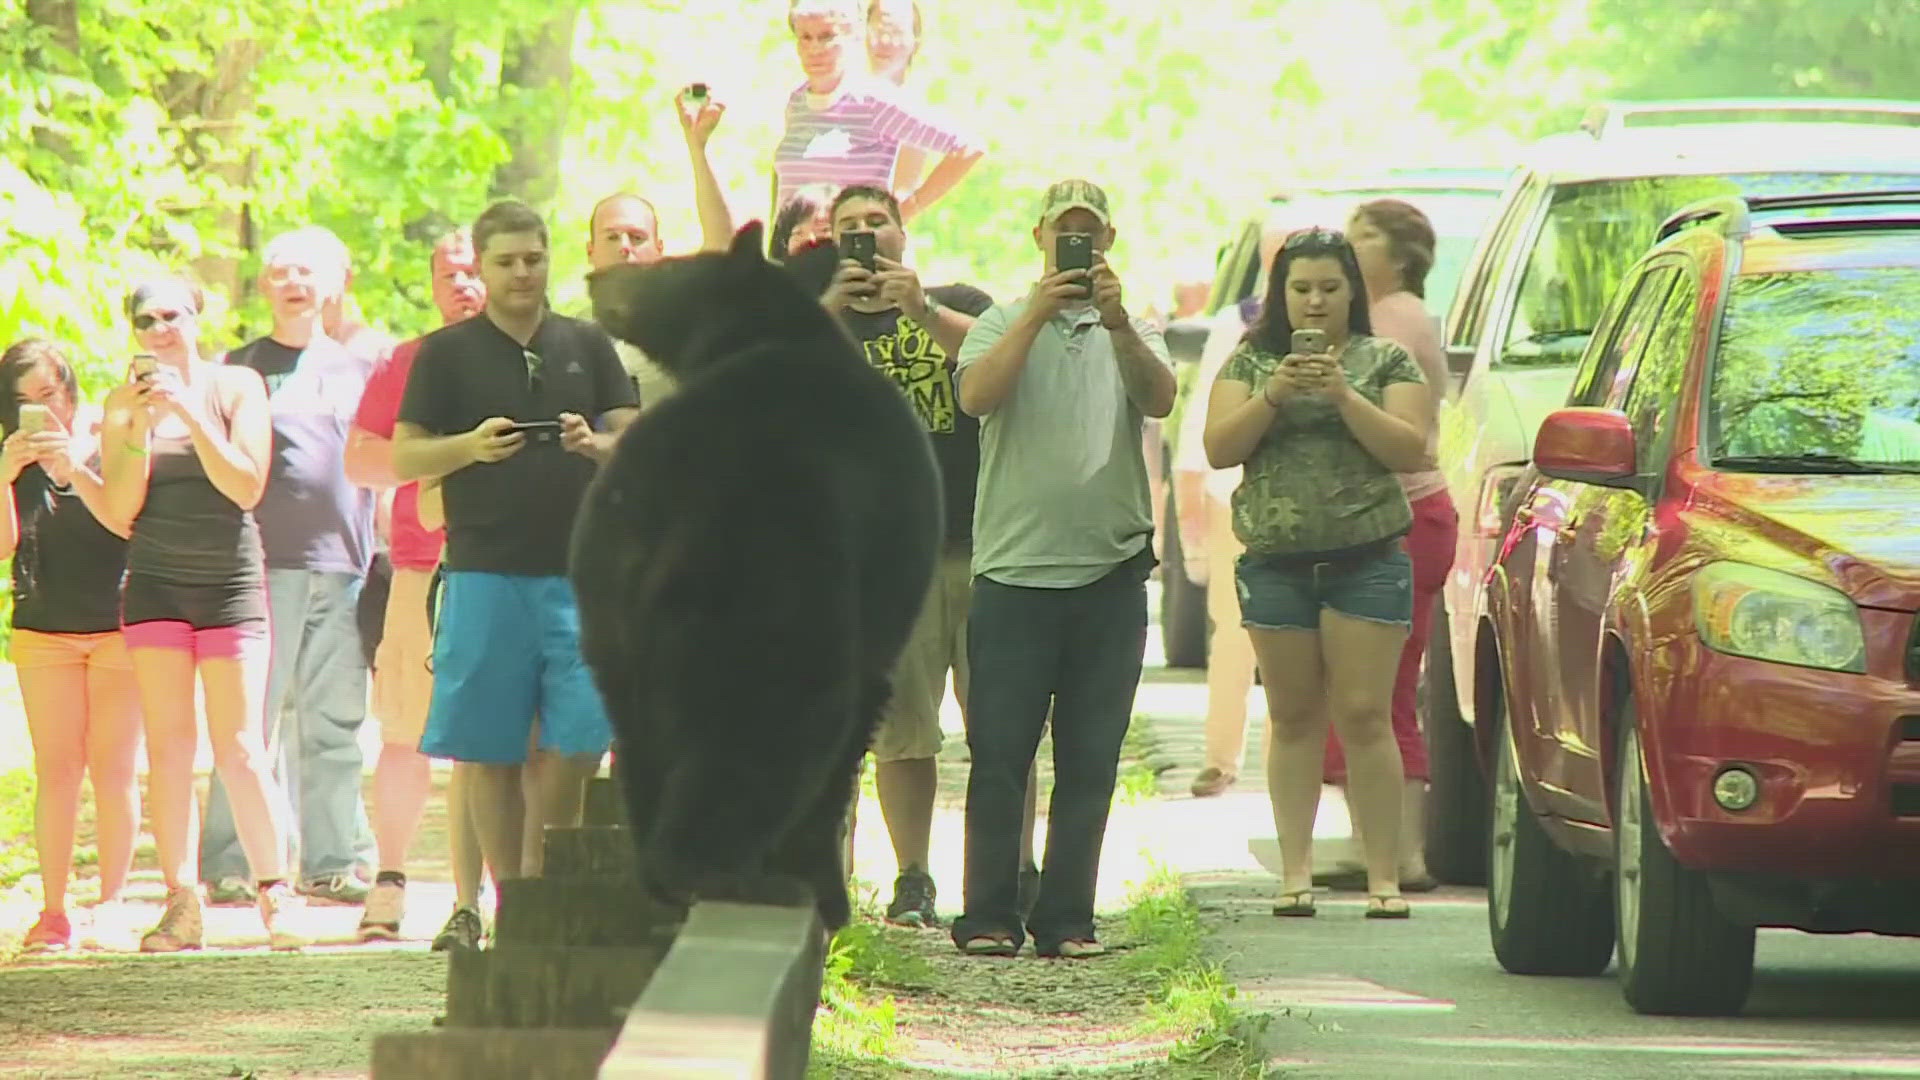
[(1071, 195)]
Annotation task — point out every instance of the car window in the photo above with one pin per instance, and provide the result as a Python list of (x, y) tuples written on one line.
[(1475, 296), (1595, 231), (1598, 378), (1651, 403), (1230, 270), (1821, 363)]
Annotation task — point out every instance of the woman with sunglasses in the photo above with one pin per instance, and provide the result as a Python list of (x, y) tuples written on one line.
[(1326, 589), (68, 553), (187, 445)]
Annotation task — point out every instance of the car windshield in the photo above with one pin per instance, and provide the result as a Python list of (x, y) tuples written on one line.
[(1819, 371), (1596, 230)]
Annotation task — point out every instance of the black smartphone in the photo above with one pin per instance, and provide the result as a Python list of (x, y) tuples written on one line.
[(1073, 251), (861, 247), (697, 92), (539, 429)]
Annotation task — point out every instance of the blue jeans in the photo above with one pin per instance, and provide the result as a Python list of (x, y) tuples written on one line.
[(1081, 649), (316, 702)]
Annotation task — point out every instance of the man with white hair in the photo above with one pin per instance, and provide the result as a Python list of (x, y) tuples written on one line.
[(317, 529)]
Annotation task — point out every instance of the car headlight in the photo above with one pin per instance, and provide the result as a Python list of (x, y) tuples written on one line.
[(1769, 615)]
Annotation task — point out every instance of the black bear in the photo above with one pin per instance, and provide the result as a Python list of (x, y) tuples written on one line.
[(749, 565)]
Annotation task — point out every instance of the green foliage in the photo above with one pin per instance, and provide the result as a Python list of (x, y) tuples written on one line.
[(17, 855), (1196, 1001)]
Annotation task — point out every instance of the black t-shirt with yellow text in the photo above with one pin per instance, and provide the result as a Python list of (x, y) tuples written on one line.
[(904, 351)]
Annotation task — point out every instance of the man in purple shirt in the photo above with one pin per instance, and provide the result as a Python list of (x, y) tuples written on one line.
[(317, 529), (844, 127)]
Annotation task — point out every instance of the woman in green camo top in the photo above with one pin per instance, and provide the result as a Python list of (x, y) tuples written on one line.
[(1326, 589)]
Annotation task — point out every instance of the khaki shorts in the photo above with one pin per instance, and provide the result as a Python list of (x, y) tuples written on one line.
[(402, 675), (910, 725)]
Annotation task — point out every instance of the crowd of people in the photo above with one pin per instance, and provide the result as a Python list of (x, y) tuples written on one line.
[(282, 521)]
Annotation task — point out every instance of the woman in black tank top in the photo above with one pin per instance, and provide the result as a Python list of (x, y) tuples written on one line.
[(186, 446), (68, 652)]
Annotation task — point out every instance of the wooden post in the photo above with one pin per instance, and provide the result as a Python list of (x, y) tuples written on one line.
[(734, 998)]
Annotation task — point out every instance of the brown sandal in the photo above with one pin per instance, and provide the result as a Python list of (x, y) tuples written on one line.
[(1297, 904), (1388, 907)]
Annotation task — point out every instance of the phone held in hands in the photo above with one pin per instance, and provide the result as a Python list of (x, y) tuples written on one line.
[(1073, 251), (860, 246), (35, 419), (697, 93), (144, 367), (536, 430), (1309, 342)]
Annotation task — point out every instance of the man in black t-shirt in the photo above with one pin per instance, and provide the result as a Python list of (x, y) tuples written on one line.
[(515, 409), (912, 334)]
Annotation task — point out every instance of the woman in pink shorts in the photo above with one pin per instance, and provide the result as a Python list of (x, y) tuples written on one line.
[(67, 650), (186, 446)]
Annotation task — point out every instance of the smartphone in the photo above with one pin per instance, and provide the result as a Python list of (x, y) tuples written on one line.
[(145, 366), (1309, 342), (1073, 251), (35, 419), (536, 428), (860, 247), (697, 92)]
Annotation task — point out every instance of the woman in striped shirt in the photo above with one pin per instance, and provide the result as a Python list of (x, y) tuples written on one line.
[(844, 126)]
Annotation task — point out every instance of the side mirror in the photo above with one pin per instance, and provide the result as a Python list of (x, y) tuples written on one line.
[(1460, 360), (1186, 338), (1587, 446)]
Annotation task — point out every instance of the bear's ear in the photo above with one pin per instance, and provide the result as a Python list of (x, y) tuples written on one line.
[(747, 243)]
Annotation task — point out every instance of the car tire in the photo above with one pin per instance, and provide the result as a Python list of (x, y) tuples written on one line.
[(1456, 827), (1548, 911), (1679, 956), (1183, 605)]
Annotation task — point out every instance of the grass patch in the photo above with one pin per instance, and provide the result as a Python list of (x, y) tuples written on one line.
[(1139, 777), (1157, 1008), (1195, 1002), (17, 856)]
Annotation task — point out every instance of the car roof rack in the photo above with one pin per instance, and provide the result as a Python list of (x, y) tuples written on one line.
[(1733, 214), (1609, 117)]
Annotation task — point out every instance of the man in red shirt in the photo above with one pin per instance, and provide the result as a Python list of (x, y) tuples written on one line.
[(402, 678)]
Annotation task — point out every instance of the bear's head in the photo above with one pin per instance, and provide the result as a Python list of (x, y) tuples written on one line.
[(689, 311)]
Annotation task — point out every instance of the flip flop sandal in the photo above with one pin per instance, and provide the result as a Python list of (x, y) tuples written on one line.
[(990, 945), (1388, 907), (1297, 904)]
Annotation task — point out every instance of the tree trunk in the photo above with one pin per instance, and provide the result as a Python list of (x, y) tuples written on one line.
[(536, 80), (61, 20), (214, 113)]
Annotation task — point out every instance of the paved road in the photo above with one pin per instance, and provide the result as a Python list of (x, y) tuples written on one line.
[(1425, 1000)]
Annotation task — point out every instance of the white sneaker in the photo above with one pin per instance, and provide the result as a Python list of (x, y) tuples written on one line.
[(386, 906)]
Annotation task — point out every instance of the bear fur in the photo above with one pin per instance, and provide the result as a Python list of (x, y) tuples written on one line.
[(749, 565)]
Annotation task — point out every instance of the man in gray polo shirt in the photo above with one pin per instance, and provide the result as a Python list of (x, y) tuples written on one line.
[(1062, 382)]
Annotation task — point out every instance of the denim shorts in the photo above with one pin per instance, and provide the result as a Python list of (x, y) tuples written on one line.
[(1288, 593)]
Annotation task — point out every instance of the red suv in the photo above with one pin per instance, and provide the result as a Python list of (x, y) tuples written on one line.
[(1698, 677)]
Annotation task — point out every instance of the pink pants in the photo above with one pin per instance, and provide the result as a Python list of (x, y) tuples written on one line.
[(1430, 545)]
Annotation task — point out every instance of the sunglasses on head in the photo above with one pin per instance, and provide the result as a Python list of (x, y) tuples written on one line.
[(1316, 238), (147, 320)]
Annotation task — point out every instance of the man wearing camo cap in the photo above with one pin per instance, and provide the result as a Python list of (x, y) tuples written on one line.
[(1062, 381)]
